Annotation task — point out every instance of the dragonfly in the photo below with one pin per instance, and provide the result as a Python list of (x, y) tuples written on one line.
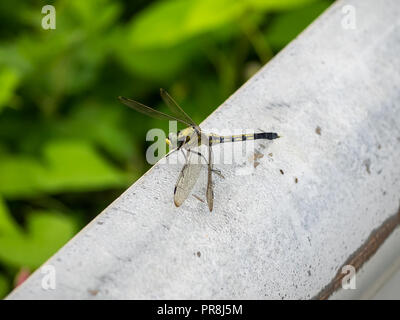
[(188, 140)]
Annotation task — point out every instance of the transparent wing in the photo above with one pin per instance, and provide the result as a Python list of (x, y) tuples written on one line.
[(175, 108), (187, 178), (150, 111)]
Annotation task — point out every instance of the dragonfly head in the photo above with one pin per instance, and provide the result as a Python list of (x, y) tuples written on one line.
[(172, 140), (175, 140)]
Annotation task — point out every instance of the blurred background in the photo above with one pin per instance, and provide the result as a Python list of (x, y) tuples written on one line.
[(68, 148)]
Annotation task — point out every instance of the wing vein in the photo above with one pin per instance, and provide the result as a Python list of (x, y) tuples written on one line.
[(150, 111)]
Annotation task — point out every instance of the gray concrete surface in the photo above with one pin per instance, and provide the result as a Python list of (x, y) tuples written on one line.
[(391, 290), (268, 237)]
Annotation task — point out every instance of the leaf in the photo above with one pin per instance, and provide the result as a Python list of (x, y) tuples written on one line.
[(46, 233), (12, 57), (7, 224), (106, 132), (175, 33), (20, 176), (66, 166), (207, 15), (9, 80), (288, 25), (158, 64), (279, 4), (93, 15), (167, 23), (162, 24), (4, 286), (76, 166), (163, 38)]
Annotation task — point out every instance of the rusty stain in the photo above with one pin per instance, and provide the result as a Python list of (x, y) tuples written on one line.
[(362, 254), (93, 292), (257, 155), (318, 130)]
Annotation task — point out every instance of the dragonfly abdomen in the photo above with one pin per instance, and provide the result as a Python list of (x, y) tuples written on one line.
[(266, 135), (243, 137)]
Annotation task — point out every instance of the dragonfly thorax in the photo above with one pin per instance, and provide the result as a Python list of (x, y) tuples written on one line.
[(186, 138)]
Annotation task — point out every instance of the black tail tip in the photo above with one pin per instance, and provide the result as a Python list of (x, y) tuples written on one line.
[(271, 135), (274, 135), (266, 135)]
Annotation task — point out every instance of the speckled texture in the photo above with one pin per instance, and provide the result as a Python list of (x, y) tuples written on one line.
[(268, 237)]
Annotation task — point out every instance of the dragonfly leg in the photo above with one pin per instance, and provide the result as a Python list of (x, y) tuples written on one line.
[(183, 152), (217, 171), (168, 154), (199, 154)]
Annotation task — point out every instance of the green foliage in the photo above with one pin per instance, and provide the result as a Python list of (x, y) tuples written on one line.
[(8, 83), (186, 19), (65, 166), (4, 287), (280, 4), (67, 147), (285, 27), (45, 232)]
